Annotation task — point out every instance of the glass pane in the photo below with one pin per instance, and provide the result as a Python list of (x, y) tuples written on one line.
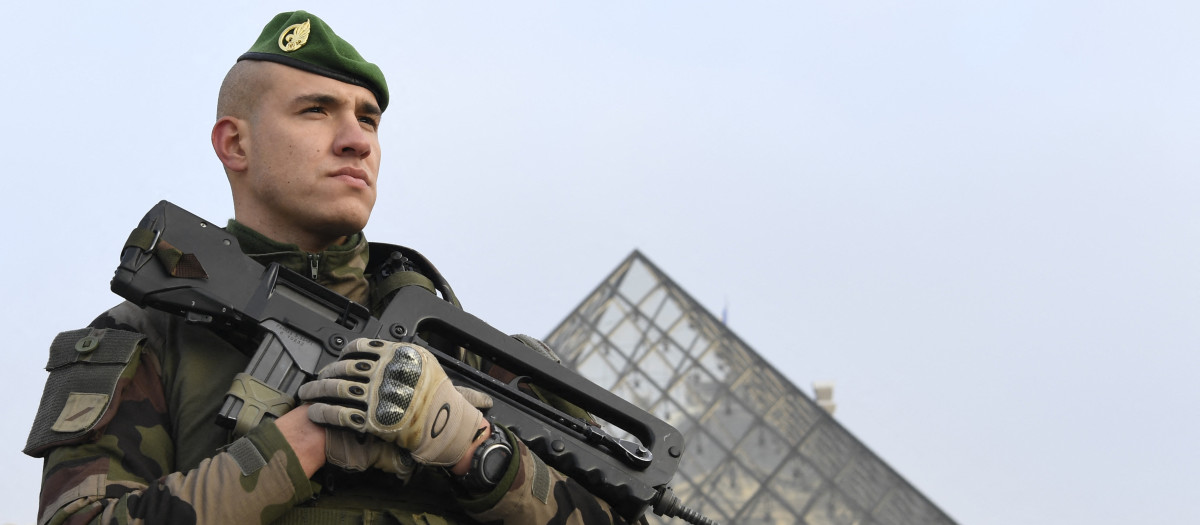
[(757, 449)]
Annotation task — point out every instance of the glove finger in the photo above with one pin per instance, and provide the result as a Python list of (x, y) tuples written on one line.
[(345, 368), (393, 459), (476, 398), (335, 391), (338, 416), (366, 348), (343, 449), (538, 345)]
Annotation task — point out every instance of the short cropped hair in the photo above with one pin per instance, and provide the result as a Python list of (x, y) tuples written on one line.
[(243, 85)]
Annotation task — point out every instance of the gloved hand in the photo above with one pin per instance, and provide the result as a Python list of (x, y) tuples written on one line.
[(398, 393), (358, 452)]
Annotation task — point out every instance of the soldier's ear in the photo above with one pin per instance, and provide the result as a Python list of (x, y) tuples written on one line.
[(229, 142)]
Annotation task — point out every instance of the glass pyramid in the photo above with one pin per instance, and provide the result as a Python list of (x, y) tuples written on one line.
[(759, 451)]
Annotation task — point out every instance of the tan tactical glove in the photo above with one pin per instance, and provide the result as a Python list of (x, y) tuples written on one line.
[(358, 452), (398, 393)]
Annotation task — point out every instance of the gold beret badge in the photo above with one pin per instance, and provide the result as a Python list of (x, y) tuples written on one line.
[(294, 37)]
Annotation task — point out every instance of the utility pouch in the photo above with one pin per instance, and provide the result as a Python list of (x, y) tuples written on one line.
[(85, 368)]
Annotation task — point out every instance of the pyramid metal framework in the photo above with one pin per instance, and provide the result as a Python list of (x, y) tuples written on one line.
[(759, 451)]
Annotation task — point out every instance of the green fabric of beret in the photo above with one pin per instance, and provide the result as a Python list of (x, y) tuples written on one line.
[(301, 40)]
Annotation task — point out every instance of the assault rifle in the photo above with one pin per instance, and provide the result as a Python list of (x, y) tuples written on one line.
[(179, 263)]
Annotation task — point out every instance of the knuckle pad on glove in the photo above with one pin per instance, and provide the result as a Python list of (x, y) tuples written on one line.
[(396, 388)]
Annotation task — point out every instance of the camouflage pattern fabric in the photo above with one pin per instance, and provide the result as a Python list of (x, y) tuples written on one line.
[(540, 494), (160, 458)]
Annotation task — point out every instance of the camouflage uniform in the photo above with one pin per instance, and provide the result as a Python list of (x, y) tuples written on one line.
[(155, 454)]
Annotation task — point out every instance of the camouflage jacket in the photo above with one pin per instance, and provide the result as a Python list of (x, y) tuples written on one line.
[(153, 454)]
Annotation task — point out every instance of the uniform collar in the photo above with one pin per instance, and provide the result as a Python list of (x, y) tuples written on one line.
[(340, 267)]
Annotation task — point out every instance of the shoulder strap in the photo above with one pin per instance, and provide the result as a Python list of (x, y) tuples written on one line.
[(392, 267)]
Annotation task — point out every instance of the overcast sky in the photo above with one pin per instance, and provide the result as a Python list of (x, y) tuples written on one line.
[(977, 218)]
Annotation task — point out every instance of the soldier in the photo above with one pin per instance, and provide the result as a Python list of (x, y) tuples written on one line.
[(296, 131)]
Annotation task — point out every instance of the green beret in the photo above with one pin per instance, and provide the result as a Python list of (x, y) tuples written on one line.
[(303, 41)]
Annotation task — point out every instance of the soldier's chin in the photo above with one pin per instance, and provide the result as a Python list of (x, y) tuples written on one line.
[(350, 221), (347, 229)]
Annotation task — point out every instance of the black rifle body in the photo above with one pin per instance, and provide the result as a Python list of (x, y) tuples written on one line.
[(300, 326)]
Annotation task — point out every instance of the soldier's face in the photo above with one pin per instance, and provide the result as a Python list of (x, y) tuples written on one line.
[(312, 150)]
